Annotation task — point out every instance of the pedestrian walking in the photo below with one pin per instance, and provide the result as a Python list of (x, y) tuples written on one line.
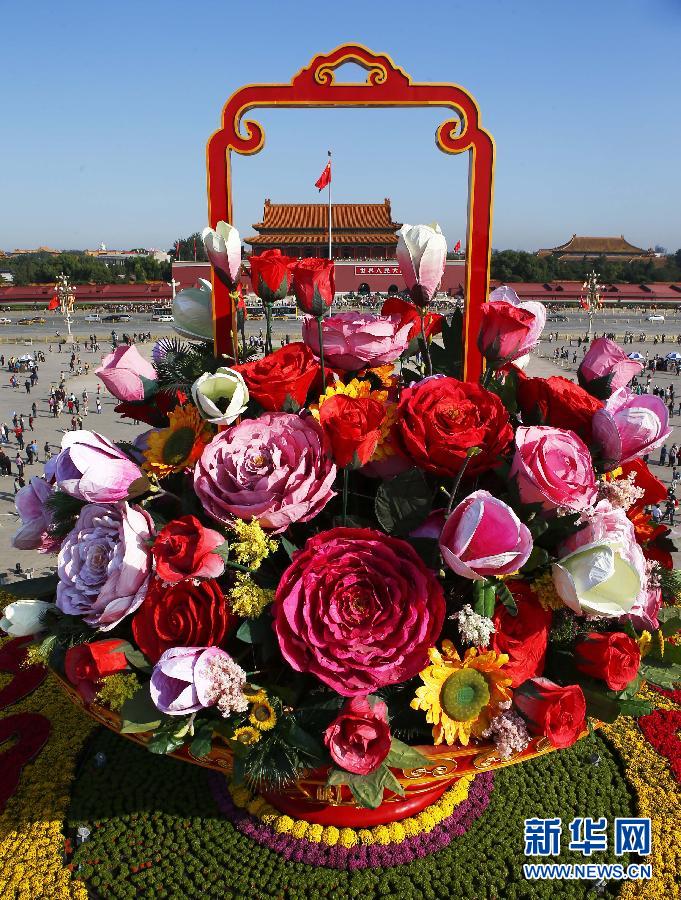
[(663, 454), (30, 457), (30, 423), (19, 463), (47, 450)]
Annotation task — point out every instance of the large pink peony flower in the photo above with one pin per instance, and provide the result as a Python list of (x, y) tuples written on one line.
[(275, 469), (91, 468), (355, 340), (124, 373), (629, 426), (553, 467), (36, 518), (358, 609), (104, 564), (606, 368), (484, 537)]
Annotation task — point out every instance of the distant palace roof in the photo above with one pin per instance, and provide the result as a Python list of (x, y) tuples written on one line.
[(307, 223), (579, 246)]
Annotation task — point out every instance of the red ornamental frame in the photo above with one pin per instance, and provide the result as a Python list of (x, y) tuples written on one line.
[(386, 85)]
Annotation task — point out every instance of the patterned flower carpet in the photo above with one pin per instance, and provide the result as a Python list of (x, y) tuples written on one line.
[(156, 827)]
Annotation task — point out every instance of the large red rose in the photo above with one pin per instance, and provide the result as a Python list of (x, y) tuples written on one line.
[(182, 615), (289, 371), (612, 657), (86, 664), (185, 549), (396, 306), (558, 713), (557, 402), (314, 285), (358, 609), (271, 274), (352, 425), (525, 636), (359, 738), (439, 419)]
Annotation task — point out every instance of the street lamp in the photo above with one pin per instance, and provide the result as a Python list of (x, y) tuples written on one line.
[(66, 296), (590, 299)]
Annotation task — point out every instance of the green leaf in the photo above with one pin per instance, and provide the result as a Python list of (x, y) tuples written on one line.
[(403, 502), (134, 656), (600, 388), (635, 708), (223, 551), (658, 672), (46, 586), (304, 741), (669, 618), (402, 756), (599, 704), (428, 549), (164, 742), (290, 405), (504, 595), (288, 546), (538, 558), (255, 631), (203, 739), (392, 784), (338, 776), (368, 789), (139, 713)]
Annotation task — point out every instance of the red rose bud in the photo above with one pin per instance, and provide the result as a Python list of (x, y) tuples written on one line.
[(289, 371), (359, 739), (86, 664), (558, 713), (352, 425), (271, 275), (557, 402), (432, 322), (507, 332), (314, 284), (525, 636), (185, 549), (612, 657)]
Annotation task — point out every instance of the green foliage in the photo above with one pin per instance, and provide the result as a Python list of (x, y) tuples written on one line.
[(367, 789), (447, 359), (139, 713), (64, 510), (183, 364), (43, 268), (403, 502), (519, 265)]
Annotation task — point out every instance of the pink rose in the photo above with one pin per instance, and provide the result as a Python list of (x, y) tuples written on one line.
[(630, 425), (553, 467), (483, 537), (36, 518), (353, 340), (124, 373), (509, 328), (606, 368), (359, 739), (91, 468), (421, 255), (275, 468), (643, 614), (358, 609), (104, 564)]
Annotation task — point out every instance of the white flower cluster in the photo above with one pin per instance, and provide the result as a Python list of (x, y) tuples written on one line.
[(621, 493), (474, 628), (508, 731), (225, 683)]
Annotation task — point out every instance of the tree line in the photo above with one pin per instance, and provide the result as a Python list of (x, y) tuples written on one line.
[(43, 268), (519, 265)]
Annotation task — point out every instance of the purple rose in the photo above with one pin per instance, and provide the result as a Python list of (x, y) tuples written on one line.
[(275, 469), (104, 564), (36, 518), (180, 683), (355, 340), (630, 425), (91, 468)]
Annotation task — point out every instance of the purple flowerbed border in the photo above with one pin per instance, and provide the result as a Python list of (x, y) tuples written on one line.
[(361, 856)]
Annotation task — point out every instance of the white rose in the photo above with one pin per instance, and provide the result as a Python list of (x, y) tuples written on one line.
[(223, 246), (597, 580), (221, 398), (22, 618)]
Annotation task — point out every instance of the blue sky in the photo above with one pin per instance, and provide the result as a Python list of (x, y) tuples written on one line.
[(106, 110)]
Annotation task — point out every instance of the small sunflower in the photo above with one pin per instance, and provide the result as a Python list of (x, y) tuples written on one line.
[(263, 715), (461, 696), (354, 388), (175, 448), (246, 735)]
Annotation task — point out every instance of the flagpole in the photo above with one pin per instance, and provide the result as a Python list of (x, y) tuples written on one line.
[(329, 186)]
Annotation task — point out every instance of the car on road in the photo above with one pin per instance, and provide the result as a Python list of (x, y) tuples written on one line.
[(656, 318), (93, 317), (5, 321), (164, 319), (37, 320), (117, 317), (25, 322)]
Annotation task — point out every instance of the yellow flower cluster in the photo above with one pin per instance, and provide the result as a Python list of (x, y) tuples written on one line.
[(247, 599), (253, 545), (658, 799), (31, 837), (545, 590), (35, 656), (349, 837), (354, 388), (116, 689)]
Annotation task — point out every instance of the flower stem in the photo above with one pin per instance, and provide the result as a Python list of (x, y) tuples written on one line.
[(237, 566), (346, 478), (268, 327), (321, 351), (426, 348), (472, 451)]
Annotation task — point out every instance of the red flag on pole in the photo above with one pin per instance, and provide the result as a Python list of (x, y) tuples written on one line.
[(194, 249), (54, 302), (324, 178), (457, 248)]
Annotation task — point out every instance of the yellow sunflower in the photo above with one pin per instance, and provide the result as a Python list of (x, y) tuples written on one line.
[(246, 735), (175, 448), (461, 696), (263, 715), (354, 388), (253, 693)]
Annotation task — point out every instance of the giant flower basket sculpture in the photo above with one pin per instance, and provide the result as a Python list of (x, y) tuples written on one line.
[(342, 573)]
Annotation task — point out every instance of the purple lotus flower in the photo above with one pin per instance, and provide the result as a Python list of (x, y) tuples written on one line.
[(91, 468), (181, 682), (36, 518), (629, 426), (104, 564)]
